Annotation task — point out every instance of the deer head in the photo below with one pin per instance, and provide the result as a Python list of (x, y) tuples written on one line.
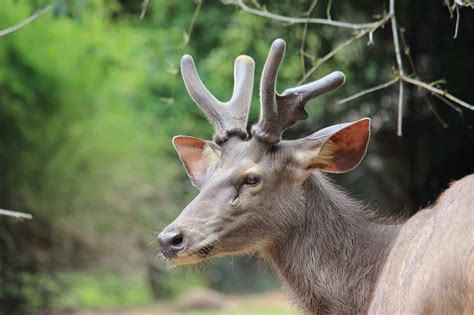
[(250, 190)]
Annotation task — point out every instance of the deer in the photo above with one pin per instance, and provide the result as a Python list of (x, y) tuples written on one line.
[(272, 197)]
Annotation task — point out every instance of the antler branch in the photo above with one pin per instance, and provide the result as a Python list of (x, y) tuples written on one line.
[(280, 112), (230, 118)]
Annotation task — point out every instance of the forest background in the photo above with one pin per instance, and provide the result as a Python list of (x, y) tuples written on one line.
[(91, 95)]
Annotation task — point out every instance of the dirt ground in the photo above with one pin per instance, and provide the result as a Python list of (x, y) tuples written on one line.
[(268, 303)]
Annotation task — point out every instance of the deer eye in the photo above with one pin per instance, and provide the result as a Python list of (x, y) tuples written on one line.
[(252, 179)]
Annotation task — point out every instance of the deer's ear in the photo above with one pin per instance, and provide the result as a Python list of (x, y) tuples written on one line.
[(196, 155), (336, 149)]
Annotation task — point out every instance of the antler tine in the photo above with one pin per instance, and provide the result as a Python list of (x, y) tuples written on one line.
[(319, 87), (228, 118), (280, 112), (269, 76), (199, 93), (239, 104)]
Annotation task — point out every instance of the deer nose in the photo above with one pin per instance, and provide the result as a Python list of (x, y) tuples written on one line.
[(171, 243)]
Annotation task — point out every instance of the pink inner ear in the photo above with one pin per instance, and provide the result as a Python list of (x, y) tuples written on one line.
[(190, 152), (348, 147)]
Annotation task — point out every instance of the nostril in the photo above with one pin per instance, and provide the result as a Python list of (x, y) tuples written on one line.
[(171, 242), (177, 240)]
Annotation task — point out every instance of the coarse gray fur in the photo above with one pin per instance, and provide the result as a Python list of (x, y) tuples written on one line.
[(331, 252)]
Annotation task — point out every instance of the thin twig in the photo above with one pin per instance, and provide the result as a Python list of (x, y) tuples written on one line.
[(368, 91), (265, 13), (308, 12), (448, 5), (193, 21), (437, 91), (449, 103), (145, 5), (443, 123), (396, 45), (329, 55), (25, 22), (407, 51), (16, 214), (458, 17), (341, 47), (328, 10), (365, 28), (302, 52), (303, 36), (187, 38)]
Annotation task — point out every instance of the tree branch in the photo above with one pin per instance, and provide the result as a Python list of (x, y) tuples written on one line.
[(145, 5), (398, 55), (437, 91), (449, 103), (303, 37), (368, 91), (265, 13), (16, 214), (407, 51), (458, 17), (25, 22), (363, 29), (342, 46), (187, 36), (443, 123)]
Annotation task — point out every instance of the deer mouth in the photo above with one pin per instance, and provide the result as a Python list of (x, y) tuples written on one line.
[(205, 251), (194, 256)]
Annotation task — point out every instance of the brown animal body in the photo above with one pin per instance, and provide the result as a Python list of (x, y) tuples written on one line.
[(430, 268), (271, 197)]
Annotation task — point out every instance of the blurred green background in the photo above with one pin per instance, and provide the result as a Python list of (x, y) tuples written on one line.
[(91, 95)]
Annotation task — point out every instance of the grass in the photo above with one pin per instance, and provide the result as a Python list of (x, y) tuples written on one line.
[(100, 293), (101, 290)]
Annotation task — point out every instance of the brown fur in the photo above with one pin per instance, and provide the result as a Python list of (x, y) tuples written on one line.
[(327, 248), (430, 269), (269, 196)]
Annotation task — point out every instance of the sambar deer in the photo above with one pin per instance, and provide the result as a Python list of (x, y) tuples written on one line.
[(271, 197)]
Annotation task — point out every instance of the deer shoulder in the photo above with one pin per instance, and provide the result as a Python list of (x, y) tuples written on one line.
[(430, 269)]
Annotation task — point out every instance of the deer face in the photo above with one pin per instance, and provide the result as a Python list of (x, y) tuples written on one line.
[(230, 212), (249, 189)]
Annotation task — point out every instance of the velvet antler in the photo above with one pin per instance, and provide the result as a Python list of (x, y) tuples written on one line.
[(280, 111), (230, 118)]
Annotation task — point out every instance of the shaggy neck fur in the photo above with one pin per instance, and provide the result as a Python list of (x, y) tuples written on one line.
[(331, 255)]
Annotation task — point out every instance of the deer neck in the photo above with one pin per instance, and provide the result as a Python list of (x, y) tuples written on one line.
[(331, 255)]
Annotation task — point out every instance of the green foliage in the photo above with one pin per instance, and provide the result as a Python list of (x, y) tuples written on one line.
[(84, 140), (36, 290), (95, 290), (77, 120), (98, 289), (182, 281)]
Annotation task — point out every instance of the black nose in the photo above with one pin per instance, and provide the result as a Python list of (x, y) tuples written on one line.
[(171, 243)]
